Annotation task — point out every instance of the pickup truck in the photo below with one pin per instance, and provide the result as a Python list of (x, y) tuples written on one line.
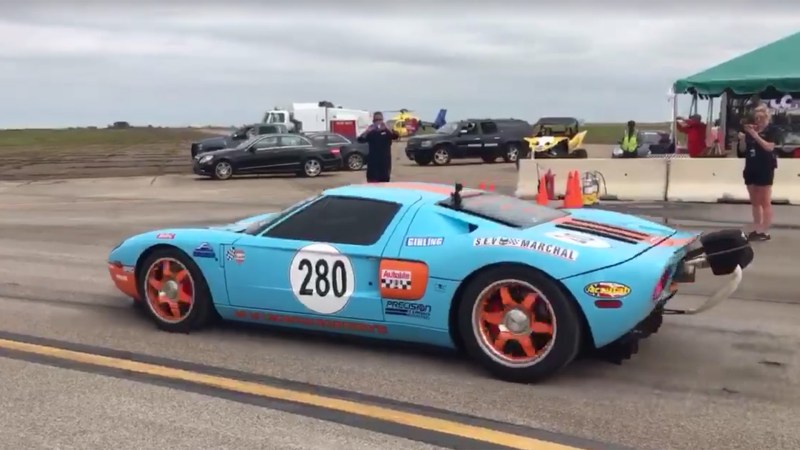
[(237, 137), (487, 139)]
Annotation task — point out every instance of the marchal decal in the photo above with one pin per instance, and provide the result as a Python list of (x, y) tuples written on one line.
[(607, 289)]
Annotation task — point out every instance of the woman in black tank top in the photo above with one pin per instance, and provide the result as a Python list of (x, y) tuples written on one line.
[(759, 170)]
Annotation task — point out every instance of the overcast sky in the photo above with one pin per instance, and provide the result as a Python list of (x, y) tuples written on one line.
[(80, 63)]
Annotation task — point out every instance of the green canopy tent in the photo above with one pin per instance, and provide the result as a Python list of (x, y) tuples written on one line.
[(774, 67)]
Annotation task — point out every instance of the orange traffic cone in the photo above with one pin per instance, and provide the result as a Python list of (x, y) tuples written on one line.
[(541, 197), (573, 197)]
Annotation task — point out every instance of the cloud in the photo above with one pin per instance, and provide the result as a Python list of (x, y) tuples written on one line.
[(82, 63)]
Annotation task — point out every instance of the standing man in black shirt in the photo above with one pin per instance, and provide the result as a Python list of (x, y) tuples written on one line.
[(760, 138), (379, 160)]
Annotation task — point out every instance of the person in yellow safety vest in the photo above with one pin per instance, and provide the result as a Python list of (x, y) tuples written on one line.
[(629, 143)]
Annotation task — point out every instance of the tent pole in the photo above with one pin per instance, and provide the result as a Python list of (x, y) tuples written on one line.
[(723, 120), (674, 128)]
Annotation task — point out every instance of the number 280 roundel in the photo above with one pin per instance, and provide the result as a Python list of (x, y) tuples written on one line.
[(322, 278)]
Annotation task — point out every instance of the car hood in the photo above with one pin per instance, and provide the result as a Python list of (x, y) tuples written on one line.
[(545, 141), (426, 137), (221, 151), (216, 141), (241, 225)]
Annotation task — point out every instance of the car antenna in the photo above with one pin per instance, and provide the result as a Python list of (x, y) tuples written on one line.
[(456, 196)]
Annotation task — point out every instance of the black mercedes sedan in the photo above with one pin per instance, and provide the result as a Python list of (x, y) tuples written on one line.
[(268, 154)]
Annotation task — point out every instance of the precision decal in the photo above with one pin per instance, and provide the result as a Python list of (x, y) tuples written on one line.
[(415, 310), (165, 236), (527, 244)]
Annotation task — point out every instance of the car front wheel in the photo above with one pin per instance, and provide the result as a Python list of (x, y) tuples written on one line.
[(175, 291), (223, 170)]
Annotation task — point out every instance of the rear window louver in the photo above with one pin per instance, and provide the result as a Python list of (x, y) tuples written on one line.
[(606, 231)]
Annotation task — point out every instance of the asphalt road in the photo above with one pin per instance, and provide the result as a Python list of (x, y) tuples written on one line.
[(725, 379)]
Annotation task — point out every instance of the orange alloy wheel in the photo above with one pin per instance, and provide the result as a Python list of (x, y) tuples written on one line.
[(514, 323), (169, 289)]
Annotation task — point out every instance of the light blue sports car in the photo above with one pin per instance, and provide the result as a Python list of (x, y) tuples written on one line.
[(522, 288)]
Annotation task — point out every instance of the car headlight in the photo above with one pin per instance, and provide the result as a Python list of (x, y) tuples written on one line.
[(425, 144), (206, 159)]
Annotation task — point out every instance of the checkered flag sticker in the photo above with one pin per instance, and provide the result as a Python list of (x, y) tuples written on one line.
[(396, 279), (235, 255)]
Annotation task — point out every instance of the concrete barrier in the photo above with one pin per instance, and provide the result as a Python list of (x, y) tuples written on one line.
[(786, 187), (620, 179), (707, 180)]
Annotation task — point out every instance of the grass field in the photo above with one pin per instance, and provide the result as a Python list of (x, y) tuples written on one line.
[(101, 138), (106, 140)]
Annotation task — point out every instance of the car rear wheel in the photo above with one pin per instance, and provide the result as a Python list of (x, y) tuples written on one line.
[(312, 168), (518, 324), (223, 170), (175, 291), (579, 153), (355, 162), (441, 155)]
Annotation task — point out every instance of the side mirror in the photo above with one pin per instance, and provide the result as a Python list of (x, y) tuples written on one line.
[(251, 149), (238, 136)]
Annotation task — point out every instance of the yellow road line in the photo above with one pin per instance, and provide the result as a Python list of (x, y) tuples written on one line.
[(245, 387)]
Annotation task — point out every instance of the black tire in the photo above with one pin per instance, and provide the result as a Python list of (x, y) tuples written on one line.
[(202, 309), (423, 160), (223, 170), (512, 153), (354, 162), (312, 167), (442, 155), (561, 150), (562, 312), (579, 153)]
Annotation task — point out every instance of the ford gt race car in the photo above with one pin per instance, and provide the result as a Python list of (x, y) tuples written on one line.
[(522, 288)]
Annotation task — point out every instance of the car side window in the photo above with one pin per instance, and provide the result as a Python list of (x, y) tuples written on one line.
[(489, 127), (336, 139), (268, 142), (472, 128), (267, 129), (318, 139), (293, 141), (338, 220)]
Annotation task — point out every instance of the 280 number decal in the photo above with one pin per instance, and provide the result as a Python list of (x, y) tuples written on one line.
[(322, 278), (327, 278)]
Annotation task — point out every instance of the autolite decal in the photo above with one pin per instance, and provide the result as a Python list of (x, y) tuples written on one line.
[(607, 289)]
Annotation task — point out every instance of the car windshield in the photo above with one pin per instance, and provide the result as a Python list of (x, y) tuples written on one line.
[(449, 128), (506, 210), (259, 227), (651, 138)]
